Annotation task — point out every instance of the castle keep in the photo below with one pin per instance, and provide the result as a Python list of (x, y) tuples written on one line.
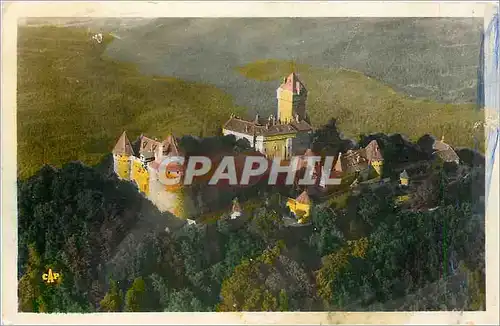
[(284, 135)]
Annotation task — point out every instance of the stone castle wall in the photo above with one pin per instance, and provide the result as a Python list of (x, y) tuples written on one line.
[(185, 202)]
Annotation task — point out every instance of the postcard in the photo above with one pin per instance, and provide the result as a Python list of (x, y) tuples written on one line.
[(250, 162)]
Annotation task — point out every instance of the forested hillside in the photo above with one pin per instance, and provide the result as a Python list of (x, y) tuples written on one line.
[(367, 252)]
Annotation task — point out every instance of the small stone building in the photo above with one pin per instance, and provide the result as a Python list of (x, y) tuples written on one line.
[(404, 178)]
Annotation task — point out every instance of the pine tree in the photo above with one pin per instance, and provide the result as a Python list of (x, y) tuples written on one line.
[(112, 301), (283, 301), (134, 299)]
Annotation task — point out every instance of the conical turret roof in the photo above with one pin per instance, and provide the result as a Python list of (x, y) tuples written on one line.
[(372, 151), (338, 163), (123, 146)]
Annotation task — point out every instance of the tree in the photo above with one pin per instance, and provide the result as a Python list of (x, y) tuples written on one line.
[(328, 140), (36, 296), (269, 302), (374, 205), (241, 291), (245, 289), (268, 223), (331, 276), (189, 145), (135, 297), (475, 288), (332, 267), (283, 301), (160, 286), (425, 194), (223, 226), (242, 145), (112, 301), (30, 293), (325, 236), (182, 301)]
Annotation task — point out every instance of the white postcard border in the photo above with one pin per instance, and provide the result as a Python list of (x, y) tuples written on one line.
[(13, 11)]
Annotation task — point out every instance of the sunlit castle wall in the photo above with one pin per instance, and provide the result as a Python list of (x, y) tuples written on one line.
[(122, 166), (378, 166), (164, 200), (175, 201)]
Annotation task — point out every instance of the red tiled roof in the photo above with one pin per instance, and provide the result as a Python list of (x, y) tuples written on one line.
[(447, 155), (169, 146), (440, 145), (354, 160), (252, 128), (372, 151), (148, 145), (303, 160), (239, 162)]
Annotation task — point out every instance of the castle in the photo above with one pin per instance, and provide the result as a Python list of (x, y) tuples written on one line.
[(282, 136)]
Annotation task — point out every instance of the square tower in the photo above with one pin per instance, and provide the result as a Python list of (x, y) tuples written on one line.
[(292, 96)]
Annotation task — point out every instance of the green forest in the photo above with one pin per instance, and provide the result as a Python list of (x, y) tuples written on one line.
[(367, 252)]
